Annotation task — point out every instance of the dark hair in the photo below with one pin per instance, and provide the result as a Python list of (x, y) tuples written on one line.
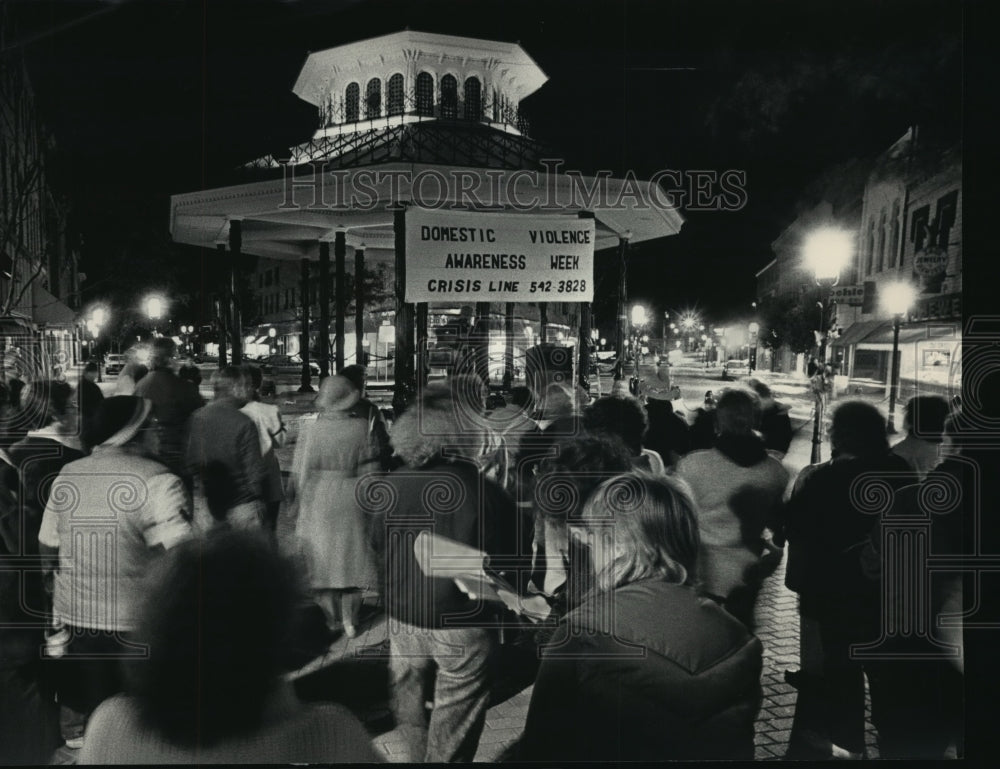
[(227, 379), (14, 387), (190, 372), (567, 480), (91, 367), (44, 401), (139, 370), (620, 416), (857, 428), (217, 620), (253, 375), (737, 411), (759, 387), (355, 374), (520, 396), (925, 415), (162, 351)]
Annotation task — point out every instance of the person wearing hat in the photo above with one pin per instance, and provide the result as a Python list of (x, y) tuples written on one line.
[(224, 459), (323, 521), (108, 516)]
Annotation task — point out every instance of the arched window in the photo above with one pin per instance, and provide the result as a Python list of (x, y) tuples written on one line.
[(496, 106), (373, 99), (473, 96), (881, 241), (870, 255), (449, 96), (352, 102), (894, 257), (425, 94), (394, 105)]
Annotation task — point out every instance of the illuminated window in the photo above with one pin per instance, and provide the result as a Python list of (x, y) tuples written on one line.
[(449, 97), (425, 94), (352, 103), (473, 106), (373, 99), (394, 106)]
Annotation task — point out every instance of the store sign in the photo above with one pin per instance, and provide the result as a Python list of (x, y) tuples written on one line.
[(941, 307), (852, 295), (498, 257), (931, 262)]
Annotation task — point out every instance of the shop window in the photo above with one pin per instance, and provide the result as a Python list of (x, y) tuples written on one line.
[(394, 106), (449, 97), (473, 95), (373, 99), (425, 94), (919, 229), (352, 103), (947, 208)]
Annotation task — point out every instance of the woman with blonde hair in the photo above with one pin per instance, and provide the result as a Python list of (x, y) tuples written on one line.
[(645, 669)]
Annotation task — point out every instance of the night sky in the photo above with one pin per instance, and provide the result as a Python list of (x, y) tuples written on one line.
[(149, 98)]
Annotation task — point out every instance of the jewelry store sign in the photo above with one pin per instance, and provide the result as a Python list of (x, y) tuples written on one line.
[(498, 257)]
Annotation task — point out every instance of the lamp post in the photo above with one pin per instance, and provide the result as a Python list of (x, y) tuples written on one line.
[(272, 334), (897, 298), (639, 318), (826, 251), (753, 328), (154, 305), (98, 317)]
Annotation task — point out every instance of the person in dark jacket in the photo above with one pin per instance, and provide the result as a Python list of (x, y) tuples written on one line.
[(223, 457), (702, 432), (439, 638), (827, 532), (775, 424), (623, 417), (667, 434), (89, 397), (378, 432), (645, 669)]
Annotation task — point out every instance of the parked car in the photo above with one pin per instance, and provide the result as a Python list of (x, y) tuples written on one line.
[(114, 363), (284, 364)]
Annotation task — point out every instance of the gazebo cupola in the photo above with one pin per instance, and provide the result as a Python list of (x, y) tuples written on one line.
[(418, 96), (411, 76)]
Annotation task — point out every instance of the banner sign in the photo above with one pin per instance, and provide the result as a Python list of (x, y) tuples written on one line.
[(851, 295), (463, 256), (941, 307)]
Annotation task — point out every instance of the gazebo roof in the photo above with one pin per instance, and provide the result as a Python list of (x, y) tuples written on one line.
[(282, 220)]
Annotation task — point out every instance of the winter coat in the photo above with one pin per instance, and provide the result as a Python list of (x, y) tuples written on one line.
[(674, 678)]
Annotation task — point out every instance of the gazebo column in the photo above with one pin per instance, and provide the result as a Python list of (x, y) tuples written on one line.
[(583, 375), (482, 342), (340, 308), (222, 315), (305, 387), (403, 374), (359, 306), (422, 374), (508, 351), (236, 327), (323, 332)]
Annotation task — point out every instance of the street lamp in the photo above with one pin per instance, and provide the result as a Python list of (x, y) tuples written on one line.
[(272, 334), (826, 251), (155, 305), (753, 328), (897, 298), (97, 318)]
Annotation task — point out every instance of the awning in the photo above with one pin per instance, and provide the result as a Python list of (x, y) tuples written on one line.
[(859, 331), (880, 332), (48, 310)]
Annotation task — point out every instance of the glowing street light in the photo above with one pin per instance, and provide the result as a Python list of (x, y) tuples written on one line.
[(639, 316), (826, 251), (155, 306), (753, 328), (897, 299)]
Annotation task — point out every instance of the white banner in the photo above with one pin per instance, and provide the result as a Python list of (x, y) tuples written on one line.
[(498, 257)]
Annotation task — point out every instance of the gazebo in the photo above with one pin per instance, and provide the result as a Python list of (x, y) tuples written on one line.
[(419, 153)]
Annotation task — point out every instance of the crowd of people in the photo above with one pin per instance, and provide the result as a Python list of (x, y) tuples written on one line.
[(624, 545)]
